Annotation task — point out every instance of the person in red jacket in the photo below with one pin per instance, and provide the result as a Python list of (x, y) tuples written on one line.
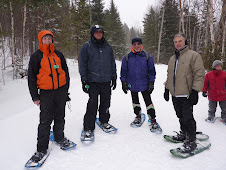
[(215, 88)]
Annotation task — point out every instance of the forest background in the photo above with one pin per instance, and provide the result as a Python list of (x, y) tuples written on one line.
[(202, 21)]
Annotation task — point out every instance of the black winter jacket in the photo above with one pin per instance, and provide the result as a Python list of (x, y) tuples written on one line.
[(97, 62)]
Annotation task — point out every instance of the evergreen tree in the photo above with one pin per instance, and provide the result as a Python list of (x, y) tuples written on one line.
[(151, 31), (170, 28), (97, 12), (81, 25), (115, 34)]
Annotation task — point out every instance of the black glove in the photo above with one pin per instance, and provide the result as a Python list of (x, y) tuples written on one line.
[(85, 87), (68, 98), (193, 97), (125, 87), (113, 84), (166, 94), (204, 94), (150, 87)]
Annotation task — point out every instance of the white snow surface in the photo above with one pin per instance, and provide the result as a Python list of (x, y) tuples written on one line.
[(130, 148)]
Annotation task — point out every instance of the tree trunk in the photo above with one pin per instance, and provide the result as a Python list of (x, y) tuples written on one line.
[(3, 50), (182, 17), (193, 40), (210, 19), (223, 41), (23, 32), (12, 29), (160, 33), (198, 40)]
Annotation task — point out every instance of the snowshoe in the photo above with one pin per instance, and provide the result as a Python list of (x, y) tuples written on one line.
[(211, 119), (87, 135), (139, 120), (106, 127), (154, 126), (181, 137), (188, 150), (37, 160), (65, 144)]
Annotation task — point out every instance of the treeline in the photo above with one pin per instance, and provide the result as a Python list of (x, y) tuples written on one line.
[(203, 22), (69, 20)]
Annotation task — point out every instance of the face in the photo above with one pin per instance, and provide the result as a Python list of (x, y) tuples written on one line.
[(179, 42), (47, 40), (219, 67), (137, 46), (98, 35)]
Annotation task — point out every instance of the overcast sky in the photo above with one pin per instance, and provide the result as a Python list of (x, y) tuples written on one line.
[(132, 12)]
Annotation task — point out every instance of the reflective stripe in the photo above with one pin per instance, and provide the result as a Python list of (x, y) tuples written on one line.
[(136, 105), (151, 106)]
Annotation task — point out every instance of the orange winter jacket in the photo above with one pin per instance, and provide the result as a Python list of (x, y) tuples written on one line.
[(47, 68)]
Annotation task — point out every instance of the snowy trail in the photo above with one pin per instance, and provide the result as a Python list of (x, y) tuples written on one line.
[(130, 148)]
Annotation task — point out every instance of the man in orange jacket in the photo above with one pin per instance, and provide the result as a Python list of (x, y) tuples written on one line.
[(48, 81)]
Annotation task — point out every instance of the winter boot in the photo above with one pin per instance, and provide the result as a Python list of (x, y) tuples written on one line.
[(188, 146), (106, 125), (38, 156), (64, 143), (154, 124), (88, 133), (180, 137), (137, 120), (211, 119)]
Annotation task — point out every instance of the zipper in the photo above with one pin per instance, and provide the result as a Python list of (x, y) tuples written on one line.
[(51, 72), (57, 73)]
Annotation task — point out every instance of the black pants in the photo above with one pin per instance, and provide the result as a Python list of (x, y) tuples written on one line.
[(184, 111), (104, 91), (147, 100), (52, 106)]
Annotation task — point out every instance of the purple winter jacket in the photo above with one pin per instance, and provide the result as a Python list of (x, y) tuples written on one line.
[(139, 71)]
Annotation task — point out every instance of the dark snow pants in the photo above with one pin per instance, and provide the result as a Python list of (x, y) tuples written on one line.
[(52, 106), (148, 102), (104, 91), (213, 108), (184, 111)]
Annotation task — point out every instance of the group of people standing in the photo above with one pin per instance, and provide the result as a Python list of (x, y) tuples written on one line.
[(48, 81)]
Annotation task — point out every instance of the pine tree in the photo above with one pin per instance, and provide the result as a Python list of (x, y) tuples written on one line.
[(115, 34), (81, 24), (170, 28), (151, 31), (97, 12)]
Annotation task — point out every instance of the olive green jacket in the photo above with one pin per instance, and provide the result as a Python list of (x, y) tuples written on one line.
[(189, 75)]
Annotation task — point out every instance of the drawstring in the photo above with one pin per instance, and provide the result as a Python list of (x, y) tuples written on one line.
[(69, 105)]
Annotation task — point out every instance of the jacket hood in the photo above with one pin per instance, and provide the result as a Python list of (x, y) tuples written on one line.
[(45, 48)]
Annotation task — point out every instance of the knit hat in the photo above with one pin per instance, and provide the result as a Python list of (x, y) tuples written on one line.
[(95, 28), (216, 63), (137, 39), (48, 35)]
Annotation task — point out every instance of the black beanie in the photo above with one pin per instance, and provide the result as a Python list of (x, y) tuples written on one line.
[(137, 39), (95, 28)]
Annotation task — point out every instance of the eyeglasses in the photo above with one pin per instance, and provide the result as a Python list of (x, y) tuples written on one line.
[(134, 44)]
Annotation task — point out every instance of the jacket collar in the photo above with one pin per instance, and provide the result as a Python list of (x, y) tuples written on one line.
[(180, 52), (138, 51), (217, 72)]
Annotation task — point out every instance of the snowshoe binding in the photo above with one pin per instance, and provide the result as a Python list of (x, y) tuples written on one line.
[(139, 120)]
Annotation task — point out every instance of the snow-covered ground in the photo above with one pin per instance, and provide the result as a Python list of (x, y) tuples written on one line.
[(130, 148)]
